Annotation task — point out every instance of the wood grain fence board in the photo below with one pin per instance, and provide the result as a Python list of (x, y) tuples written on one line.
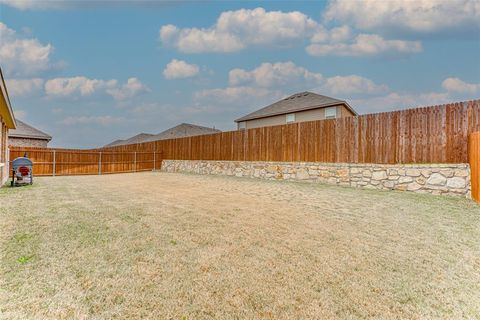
[(285, 143), (474, 160)]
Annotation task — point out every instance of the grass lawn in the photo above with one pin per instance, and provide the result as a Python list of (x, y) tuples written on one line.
[(176, 246)]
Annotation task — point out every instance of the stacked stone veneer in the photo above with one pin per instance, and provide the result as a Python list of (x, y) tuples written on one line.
[(444, 179), (27, 142)]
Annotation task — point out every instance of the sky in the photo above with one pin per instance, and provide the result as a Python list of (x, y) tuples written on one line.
[(90, 72)]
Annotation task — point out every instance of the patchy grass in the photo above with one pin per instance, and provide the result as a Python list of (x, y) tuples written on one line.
[(7, 189), (175, 246)]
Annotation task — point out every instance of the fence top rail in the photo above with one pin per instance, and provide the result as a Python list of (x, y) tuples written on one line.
[(132, 152), (16, 149)]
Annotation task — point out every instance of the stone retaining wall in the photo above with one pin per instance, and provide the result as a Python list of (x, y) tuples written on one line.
[(444, 179)]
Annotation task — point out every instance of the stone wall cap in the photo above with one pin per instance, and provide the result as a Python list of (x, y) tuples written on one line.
[(342, 164)]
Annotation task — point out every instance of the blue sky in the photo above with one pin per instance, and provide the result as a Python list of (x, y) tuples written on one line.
[(92, 72)]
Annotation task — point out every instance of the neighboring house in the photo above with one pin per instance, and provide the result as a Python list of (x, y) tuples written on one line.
[(179, 131), (27, 136), (299, 107), (7, 122)]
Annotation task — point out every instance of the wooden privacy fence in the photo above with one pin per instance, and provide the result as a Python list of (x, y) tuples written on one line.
[(474, 159), (61, 162), (436, 134)]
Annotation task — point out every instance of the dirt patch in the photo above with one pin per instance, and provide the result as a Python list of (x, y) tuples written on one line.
[(176, 246)]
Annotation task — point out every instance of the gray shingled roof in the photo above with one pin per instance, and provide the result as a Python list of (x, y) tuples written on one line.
[(114, 143), (179, 131), (139, 138), (24, 130), (183, 130), (294, 103)]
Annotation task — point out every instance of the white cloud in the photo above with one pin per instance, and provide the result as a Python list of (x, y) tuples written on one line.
[(352, 84), (235, 30), (460, 86), (270, 82), (82, 86), (220, 106), (365, 45), (132, 88), (193, 40), (178, 69), (289, 77), (236, 95), (419, 16), (23, 56), (396, 101), (74, 4), (22, 87), (86, 120), (233, 94), (274, 74), (35, 4), (334, 35)]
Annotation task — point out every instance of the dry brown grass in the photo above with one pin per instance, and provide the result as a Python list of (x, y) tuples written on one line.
[(174, 246)]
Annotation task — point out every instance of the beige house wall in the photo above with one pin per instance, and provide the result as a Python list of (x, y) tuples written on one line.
[(266, 122), (27, 142), (300, 116), (344, 112)]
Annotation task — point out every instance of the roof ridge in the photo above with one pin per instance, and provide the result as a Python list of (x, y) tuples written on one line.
[(142, 133)]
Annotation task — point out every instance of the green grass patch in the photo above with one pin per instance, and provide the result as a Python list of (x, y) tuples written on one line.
[(24, 259)]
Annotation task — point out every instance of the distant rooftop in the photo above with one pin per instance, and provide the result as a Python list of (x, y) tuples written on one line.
[(139, 138), (24, 130), (294, 103), (179, 131), (183, 130)]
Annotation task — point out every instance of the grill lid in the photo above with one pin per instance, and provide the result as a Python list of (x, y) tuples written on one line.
[(21, 161)]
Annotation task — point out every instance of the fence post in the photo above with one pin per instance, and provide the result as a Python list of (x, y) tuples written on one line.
[(154, 155), (474, 159), (100, 163), (135, 162), (54, 163)]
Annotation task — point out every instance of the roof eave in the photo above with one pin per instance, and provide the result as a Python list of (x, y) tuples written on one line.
[(28, 137), (8, 116)]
